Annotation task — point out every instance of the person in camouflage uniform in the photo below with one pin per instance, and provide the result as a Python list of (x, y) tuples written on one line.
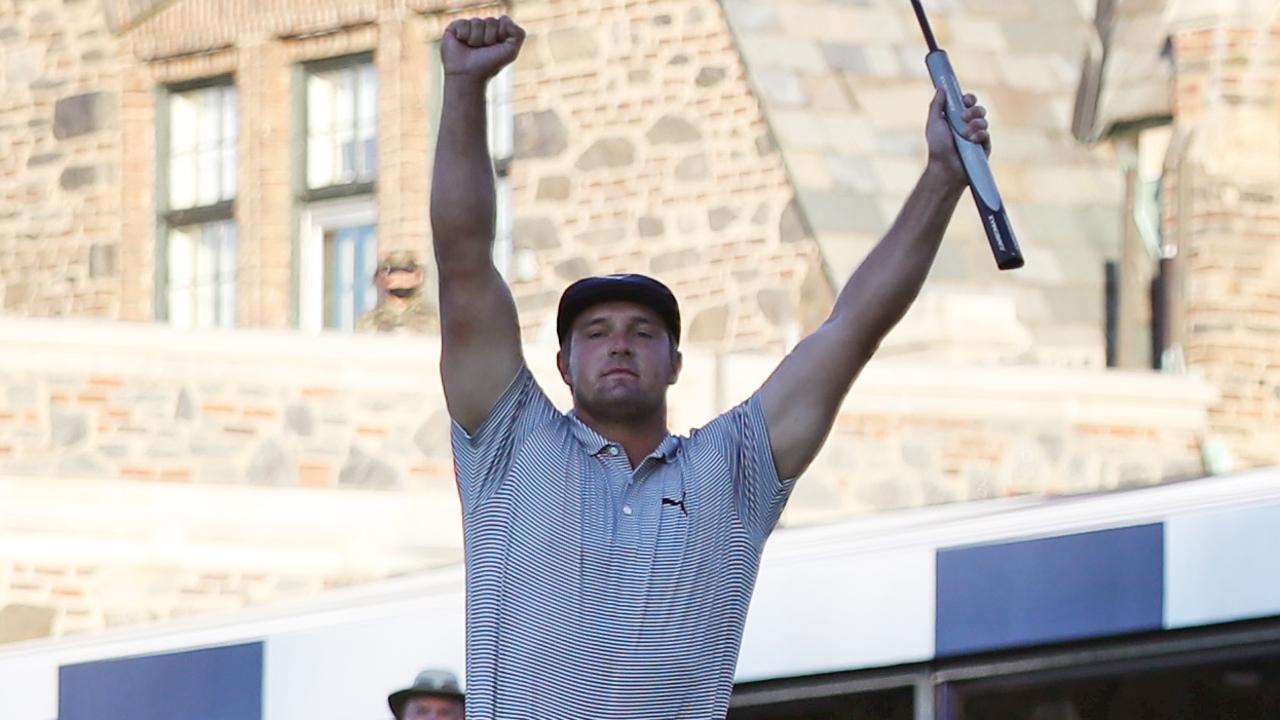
[(402, 305)]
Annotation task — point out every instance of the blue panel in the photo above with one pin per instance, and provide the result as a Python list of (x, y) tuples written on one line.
[(1222, 566), (222, 683), (1050, 590)]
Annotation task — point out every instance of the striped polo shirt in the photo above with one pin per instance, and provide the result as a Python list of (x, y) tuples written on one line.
[(596, 591)]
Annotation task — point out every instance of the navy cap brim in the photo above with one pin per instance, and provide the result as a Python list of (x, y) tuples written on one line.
[(639, 289)]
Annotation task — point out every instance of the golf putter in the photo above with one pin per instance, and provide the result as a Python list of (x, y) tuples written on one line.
[(995, 218)]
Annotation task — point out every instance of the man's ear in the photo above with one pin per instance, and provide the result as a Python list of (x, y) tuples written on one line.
[(562, 364), (677, 364)]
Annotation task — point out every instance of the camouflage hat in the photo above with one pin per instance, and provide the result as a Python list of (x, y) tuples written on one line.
[(399, 260)]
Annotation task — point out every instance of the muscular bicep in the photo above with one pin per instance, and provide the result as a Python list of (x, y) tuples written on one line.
[(802, 396), (480, 344)]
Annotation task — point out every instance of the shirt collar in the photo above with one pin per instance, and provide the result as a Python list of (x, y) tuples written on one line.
[(595, 443)]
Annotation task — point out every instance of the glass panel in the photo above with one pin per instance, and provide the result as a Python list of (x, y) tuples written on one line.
[(319, 130), (319, 104), (208, 180), (182, 182), (209, 120), (202, 147), (229, 173), (893, 704), (368, 97), (230, 115), (350, 257), (342, 120), (347, 158), (367, 132), (227, 274), (202, 275), (344, 112), (370, 158), (367, 260), (181, 311), (319, 161), (182, 124), (230, 140), (347, 277), (344, 98), (205, 273), (1245, 688)]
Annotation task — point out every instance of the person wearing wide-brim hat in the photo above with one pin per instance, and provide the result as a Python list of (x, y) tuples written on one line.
[(434, 695)]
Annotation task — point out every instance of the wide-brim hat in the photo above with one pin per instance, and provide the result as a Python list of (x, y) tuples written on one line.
[(433, 683)]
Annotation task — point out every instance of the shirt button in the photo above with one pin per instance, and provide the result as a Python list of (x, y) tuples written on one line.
[(613, 449), (626, 509)]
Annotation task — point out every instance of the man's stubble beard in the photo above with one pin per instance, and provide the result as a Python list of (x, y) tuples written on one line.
[(633, 407)]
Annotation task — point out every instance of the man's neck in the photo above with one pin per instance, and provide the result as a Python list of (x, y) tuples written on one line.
[(638, 438), (396, 303)]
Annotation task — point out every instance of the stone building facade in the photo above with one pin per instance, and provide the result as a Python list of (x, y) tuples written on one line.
[(1187, 94), (845, 89), (203, 456), (638, 145)]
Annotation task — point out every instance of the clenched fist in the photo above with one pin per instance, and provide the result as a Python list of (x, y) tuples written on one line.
[(479, 47), (942, 148)]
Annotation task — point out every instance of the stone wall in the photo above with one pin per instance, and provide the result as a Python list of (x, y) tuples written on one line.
[(219, 409), (1222, 212), (845, 89), (86, 554), (639, 146), (60, 167), (913, 434), (147, 473)]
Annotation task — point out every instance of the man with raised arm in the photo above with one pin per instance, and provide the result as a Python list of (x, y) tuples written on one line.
[(610, 563)]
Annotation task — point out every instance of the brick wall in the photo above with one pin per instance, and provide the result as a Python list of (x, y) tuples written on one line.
[(1223, 212), (147, 472)]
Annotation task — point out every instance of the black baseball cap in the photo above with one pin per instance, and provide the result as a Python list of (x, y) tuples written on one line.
[(639, 289)]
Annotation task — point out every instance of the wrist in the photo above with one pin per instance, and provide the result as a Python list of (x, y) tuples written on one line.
[(946, 176), (464, 83)]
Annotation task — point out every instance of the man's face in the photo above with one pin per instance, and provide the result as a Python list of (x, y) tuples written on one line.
[(432, 708), (399, 281), (619, 361)]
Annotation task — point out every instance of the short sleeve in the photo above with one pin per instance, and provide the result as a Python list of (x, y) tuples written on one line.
[(741, 435), (483, 459)]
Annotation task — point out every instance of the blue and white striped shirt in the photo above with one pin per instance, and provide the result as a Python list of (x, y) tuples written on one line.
[(596, 592)]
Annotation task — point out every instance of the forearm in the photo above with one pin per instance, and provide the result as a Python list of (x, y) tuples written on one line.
[(463, 204), (888, 280)]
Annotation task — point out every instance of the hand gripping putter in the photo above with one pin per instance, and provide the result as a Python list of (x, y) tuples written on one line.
[(995, 218)]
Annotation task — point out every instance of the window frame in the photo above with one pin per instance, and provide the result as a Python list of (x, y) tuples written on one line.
[(315, 220), (167, 219), (306, 70)]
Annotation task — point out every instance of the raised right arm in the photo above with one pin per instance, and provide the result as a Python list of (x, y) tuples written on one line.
[(480, 333)]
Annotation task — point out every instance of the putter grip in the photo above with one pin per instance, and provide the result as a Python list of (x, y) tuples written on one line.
[(995, 219)]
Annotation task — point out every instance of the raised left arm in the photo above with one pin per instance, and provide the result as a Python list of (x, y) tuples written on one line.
[(800, 399)]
